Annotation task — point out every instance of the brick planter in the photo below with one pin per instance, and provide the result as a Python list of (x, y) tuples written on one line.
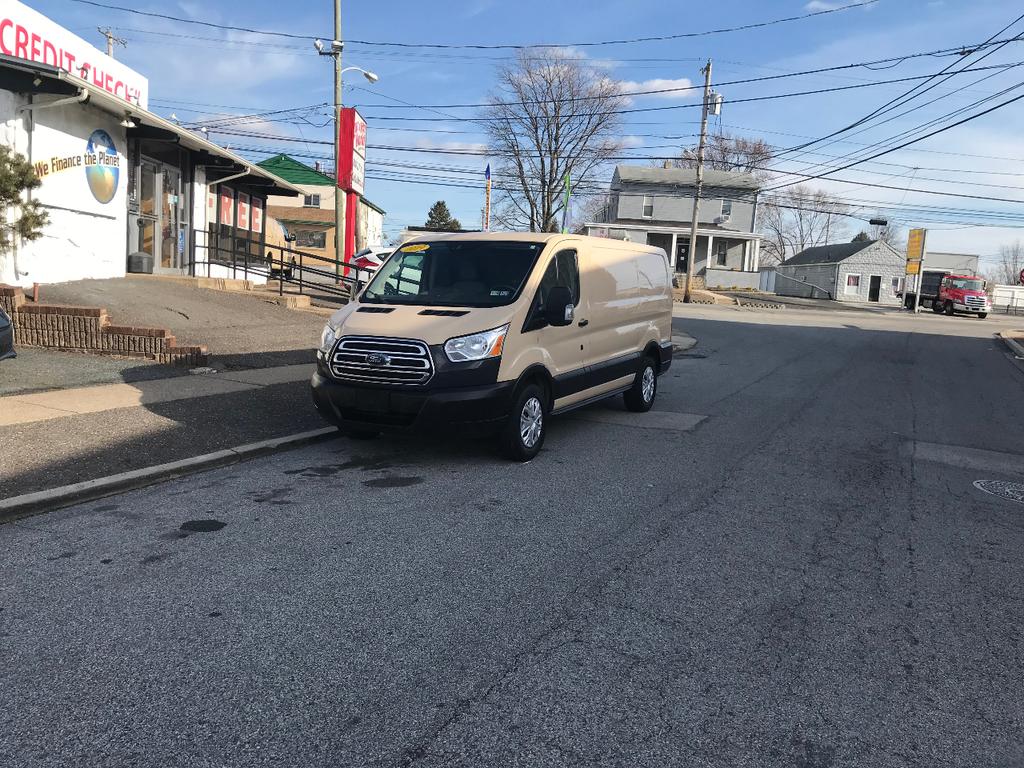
[(88, 329)]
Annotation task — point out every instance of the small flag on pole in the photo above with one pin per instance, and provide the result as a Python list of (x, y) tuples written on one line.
[(565, 207), (487, 199)]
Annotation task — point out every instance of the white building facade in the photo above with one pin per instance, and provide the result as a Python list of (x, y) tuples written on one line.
[(115, 179)]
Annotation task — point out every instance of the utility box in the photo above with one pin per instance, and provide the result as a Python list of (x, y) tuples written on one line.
[(140, 263)]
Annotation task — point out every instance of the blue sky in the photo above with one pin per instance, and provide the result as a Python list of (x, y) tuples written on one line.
[(244, 73)]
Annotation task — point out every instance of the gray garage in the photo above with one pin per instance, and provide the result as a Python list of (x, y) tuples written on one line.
[(867, 270)]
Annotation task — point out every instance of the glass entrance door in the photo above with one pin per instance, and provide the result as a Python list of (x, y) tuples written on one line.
[(172, 244), (148, 221), (161, 222)]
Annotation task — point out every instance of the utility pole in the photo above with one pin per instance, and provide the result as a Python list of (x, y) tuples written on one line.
[(111, 39), (691, 252), (339, 212)]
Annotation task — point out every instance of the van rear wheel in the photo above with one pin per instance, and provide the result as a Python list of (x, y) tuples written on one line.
[(523, 434), (640, 397)]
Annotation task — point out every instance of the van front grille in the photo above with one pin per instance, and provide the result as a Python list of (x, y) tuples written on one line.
[(975, 301), (377, 360)]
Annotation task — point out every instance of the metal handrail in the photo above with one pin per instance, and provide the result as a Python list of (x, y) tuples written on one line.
[(287, 265)]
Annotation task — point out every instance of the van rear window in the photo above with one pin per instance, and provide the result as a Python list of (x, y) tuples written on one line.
[(462, 273)]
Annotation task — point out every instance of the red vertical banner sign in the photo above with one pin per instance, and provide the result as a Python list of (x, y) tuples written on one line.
[(243, 211), (351, 150), (351, 169)]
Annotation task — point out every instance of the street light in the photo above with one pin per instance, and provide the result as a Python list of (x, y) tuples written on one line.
[(371, 77), (337, 46)]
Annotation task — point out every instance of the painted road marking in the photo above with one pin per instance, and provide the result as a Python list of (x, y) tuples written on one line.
[(967, 458), (668, 420)]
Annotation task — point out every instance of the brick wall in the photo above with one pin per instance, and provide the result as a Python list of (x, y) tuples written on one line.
[(88, 329)]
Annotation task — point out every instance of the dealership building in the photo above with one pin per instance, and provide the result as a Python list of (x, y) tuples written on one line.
[(122, 187)]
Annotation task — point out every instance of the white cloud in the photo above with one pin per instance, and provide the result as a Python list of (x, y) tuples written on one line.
[(478, 7), (672, 89), (820, 5), (576, 54), (632, 142)]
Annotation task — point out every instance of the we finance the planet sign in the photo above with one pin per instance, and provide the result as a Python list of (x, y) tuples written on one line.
[(100, 164)]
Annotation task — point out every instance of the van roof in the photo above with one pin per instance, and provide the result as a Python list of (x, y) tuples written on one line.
[(536, 237)]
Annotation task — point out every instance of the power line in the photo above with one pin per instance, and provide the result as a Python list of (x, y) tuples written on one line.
[(907, 143), (685, 88), (678, 36), (478, 187), (902, 96)]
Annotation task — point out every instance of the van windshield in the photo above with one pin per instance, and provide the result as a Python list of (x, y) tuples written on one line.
[(462, 273)]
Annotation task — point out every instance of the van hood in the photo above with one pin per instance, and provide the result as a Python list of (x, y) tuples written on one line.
[(433, 325)]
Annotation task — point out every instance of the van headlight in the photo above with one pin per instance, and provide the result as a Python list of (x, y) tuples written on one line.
[(478, 346), (327, 339)]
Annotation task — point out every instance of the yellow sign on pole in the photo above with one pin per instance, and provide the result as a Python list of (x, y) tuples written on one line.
[(914, 267), (915, 245)]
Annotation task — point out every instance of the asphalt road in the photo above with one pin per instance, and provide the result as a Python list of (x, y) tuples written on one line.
[(804, 577)]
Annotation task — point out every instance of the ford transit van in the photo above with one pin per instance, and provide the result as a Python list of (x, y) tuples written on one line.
[(497, 331)]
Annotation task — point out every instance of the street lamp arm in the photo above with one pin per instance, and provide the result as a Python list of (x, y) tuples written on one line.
[(371, 76)]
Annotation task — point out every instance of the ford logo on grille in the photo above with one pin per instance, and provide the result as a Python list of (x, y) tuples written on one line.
[(376, 358)]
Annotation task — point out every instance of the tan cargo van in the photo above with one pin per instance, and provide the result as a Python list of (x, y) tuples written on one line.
[(497, 331)]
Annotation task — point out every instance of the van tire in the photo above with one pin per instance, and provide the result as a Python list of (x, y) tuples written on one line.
[(518, 441), (949, 308), (640, 397), (982, 315)]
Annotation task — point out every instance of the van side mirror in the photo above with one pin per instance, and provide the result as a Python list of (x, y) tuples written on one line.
[(558, 306)]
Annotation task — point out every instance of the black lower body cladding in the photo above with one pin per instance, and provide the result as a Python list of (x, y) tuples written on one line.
[(476, 407)]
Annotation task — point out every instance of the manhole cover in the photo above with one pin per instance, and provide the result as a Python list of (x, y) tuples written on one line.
[(1002, 489)]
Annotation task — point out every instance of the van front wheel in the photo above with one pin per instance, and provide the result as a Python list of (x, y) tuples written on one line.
[(523, 434), (640, 397)]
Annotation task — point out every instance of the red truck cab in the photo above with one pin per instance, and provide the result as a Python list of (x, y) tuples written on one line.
[(962, 293)]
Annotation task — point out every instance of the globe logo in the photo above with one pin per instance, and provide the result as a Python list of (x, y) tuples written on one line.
[(102, 170)]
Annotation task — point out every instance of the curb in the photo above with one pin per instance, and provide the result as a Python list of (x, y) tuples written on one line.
[(88, 490), (1015, 346)]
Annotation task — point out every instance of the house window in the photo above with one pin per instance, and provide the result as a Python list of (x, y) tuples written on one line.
[(897, 286), (726, 208), (310, 238), (852, 284), (721, 253), (311, 201), (648, 207)]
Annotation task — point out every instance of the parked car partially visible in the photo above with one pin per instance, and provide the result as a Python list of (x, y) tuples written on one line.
[(368, 261), (6, 336)]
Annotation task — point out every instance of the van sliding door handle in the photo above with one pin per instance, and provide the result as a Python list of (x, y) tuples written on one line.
[(584, 323)]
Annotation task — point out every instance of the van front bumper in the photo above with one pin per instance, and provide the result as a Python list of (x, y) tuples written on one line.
[(480, 409)]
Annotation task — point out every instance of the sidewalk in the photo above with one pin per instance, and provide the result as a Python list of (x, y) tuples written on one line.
[(67, 436), (23, 409)]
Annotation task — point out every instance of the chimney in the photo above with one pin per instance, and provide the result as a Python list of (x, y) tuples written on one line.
[(318, 167)]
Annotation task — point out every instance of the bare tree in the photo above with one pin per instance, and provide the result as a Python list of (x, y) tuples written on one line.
[(1008, 269), (731, 153), (550, 116), (593, 209), (799, 217)]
